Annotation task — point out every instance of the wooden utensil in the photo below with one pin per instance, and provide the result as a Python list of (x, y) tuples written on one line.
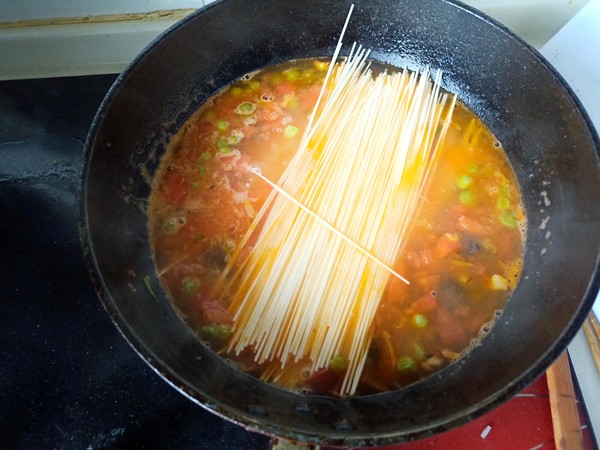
[(563, 406)]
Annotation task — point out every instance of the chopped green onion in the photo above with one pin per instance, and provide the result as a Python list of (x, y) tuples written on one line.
[(419, 352), (205, 155), (290, 101), (474, 169), (149, 287), (292, 74), (290, 131), (420, 320), (405, 363), (507, 219), (253, 85), (464, 181), (173, 224), (201, 170), (337, 363), (234, 139), (195, 185), (190, 284), (222, 125), (503, 203), (245, 108), (466, 197), (236, 91), (222, 146)]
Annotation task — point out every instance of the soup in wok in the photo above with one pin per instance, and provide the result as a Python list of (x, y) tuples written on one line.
[(337, 238)]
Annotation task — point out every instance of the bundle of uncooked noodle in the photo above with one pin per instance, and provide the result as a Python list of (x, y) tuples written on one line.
[(330, 231)]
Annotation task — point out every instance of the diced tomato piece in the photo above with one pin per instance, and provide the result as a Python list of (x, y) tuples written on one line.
[(448, 328), (324, 381), (312, 94), (212, 312), (459, 210), (175, 188), (425, 304), (448, 243), (284, 88), (204, 126), (248, 131), (418, 261), (471, 225)]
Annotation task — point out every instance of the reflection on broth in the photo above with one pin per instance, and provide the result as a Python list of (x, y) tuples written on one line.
[(462, 252)]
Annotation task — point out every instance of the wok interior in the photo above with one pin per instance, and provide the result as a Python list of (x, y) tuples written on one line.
[(547, 139)]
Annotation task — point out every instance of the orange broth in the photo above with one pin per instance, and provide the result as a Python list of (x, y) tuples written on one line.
[(463, 254)]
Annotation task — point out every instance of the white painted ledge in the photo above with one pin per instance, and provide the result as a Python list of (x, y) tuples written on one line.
[(54, 50)]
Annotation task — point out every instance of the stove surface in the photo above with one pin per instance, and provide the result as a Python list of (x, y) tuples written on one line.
[(68, 380)]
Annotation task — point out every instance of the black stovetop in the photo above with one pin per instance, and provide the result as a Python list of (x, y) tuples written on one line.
[(68, 380)]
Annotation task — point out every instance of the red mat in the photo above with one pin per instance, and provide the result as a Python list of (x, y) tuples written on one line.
[(523, 423)]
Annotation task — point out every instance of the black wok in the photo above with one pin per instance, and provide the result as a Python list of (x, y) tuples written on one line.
[(546, 134)]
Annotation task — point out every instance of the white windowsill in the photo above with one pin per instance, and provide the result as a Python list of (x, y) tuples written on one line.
[(108, 46)]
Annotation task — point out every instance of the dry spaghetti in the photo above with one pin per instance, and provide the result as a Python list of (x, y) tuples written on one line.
[(335, 222)]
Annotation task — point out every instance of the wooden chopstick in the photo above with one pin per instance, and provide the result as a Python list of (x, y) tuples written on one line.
[(591, 330), (563, 406)]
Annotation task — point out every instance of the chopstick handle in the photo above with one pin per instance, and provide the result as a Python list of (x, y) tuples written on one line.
[(565, 416)]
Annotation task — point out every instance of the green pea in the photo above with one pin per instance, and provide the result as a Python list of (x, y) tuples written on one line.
[(216, 332), (507, 219), (290, 131), (190, 284), (420, 320), (405, 363), (209, 331), (464, 181), (223, 331), (222, 125), (466, 197), (337, 363), (503, 203)]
